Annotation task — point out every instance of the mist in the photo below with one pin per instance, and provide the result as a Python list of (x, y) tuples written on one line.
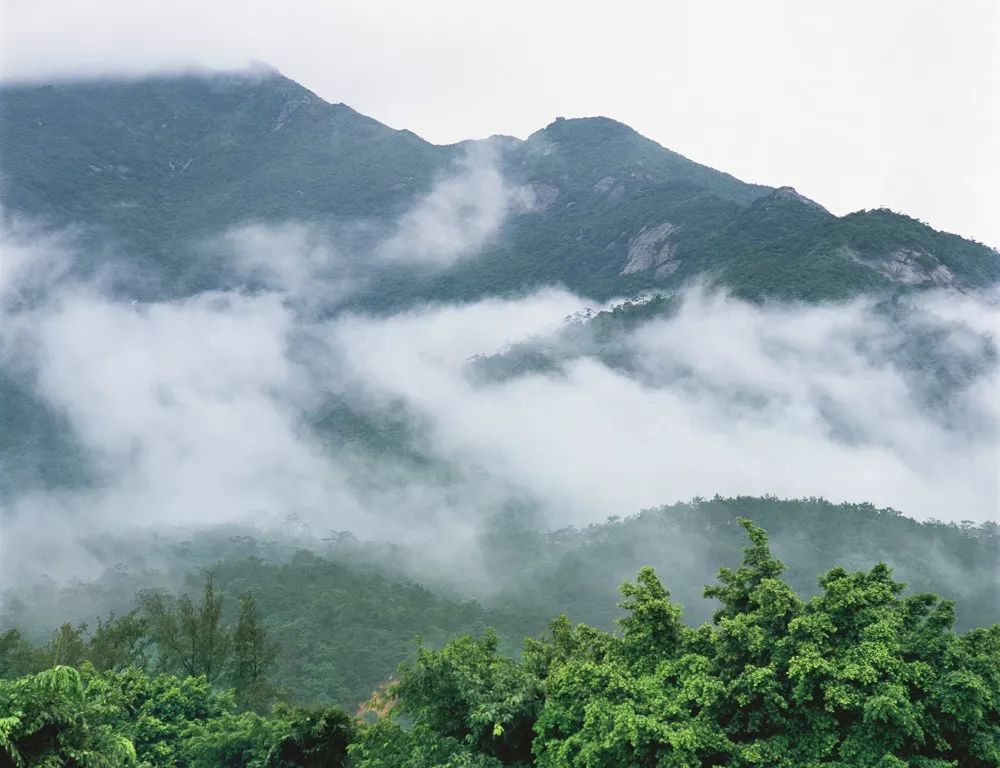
[(230, 406)]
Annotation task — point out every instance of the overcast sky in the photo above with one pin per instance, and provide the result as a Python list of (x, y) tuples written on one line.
[(857, 104)]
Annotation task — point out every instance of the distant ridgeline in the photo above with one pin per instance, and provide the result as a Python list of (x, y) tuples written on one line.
[(151, 169), (346, 612)]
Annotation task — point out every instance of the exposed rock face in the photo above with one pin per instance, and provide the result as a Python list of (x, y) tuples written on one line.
[(667, 268), (606, 184), (288, 109), (911, 267), (544, 194), (789, 193), (652, 249), (942, 276), (610, 186)]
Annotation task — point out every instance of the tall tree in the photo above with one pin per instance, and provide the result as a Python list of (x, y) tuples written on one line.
[(189, 638), (120, 642), (17, 656), (253, 656), (68, 646)]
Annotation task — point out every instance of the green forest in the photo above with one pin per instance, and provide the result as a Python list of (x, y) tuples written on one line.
[(862, 673)]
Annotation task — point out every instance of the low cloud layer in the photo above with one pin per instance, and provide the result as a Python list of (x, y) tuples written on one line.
[(724, 398), (270, 403)]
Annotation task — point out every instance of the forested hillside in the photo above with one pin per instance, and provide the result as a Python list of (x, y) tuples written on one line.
[(857, 676), (345, 614), (155, 169)]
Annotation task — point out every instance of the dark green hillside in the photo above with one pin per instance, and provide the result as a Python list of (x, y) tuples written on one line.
[(160, 165), (568, 568), (597, 155), (342, 629)]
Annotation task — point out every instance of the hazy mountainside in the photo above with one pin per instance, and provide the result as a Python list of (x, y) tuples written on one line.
[(345, 613), (159, 166)]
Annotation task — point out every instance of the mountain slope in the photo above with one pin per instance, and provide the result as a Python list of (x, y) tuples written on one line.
[(159, 165)]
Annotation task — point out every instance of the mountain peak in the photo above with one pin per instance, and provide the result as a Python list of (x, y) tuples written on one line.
[(791, 194), (599, 125)]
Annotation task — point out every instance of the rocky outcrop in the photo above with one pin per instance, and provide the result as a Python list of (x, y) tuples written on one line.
[(911, 267), (544, 194), (610, 186), (288, 109), (789, 193), (942, 276), (652, 249), (906, 266), (605, 185)]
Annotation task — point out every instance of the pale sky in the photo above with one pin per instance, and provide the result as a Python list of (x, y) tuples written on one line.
[(857, 104)]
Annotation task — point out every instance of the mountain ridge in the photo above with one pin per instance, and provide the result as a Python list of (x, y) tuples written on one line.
[(159, 165)]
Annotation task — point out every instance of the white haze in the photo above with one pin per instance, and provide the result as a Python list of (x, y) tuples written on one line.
[(461, 214), (593, 441), (197, 411)]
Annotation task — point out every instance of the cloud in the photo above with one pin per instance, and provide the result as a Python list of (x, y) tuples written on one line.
[(462, 213), (293, 258), (725, 397), (31, 258), (247, 406), (323, 264)]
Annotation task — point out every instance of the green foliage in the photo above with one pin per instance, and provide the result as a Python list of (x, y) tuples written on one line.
[(343, 629), (311, 738), (68, 647), (190, 639), (857, 676), (342, 625), (157, 713), (574, 570), (17, 656), (120, 642), (860, 674), (49, 719), (253, 657), (473, 695), (161, 165), (86, 718)]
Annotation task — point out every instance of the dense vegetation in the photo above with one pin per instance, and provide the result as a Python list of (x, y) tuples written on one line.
[(158, 167), (91, 719), (346, 612), (857, 676)]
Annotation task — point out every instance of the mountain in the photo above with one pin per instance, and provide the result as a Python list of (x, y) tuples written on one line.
[(158, 166)]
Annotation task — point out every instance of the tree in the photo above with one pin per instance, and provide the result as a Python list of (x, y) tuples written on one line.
[(17, 656), (120, 642), (68, 646), (311, 739), (253, 656), (190, 639), (858, 676), (48, 719), (465, 701)]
